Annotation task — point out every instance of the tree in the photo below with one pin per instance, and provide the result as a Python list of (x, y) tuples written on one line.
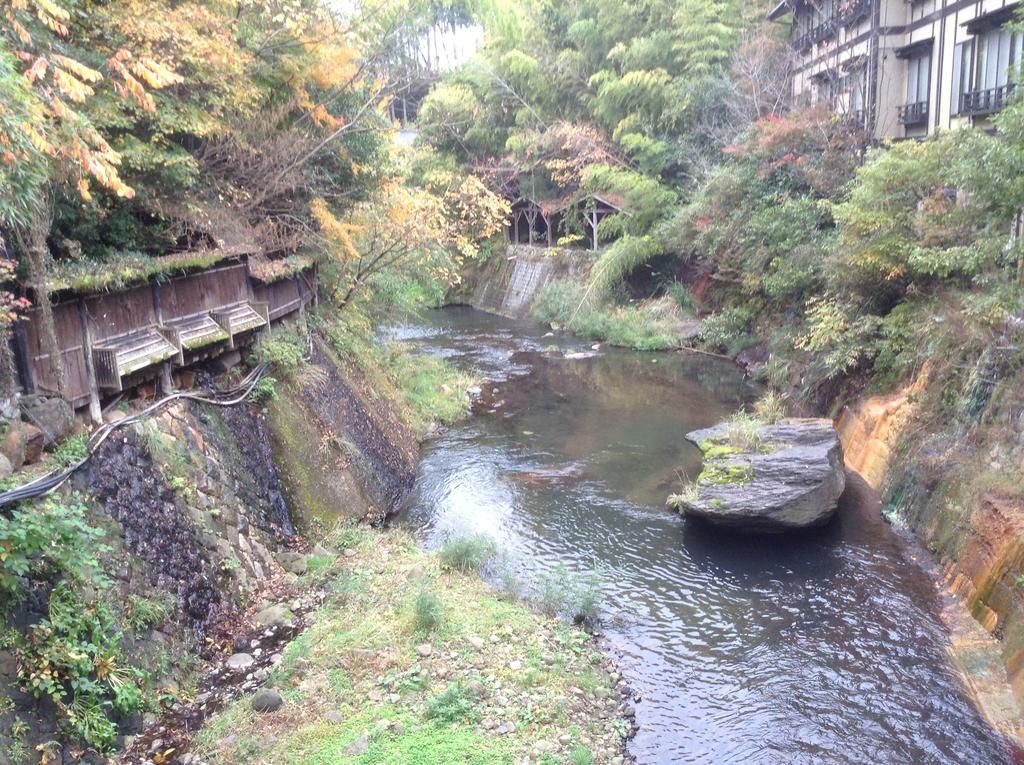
[(408, 233)]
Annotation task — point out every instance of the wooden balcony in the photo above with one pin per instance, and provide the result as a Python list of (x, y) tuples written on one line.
[(854, 12), (198, 331), (241, 317), (913, 114), (978, 103), (122, 355)]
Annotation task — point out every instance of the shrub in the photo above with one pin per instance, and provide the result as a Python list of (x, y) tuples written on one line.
[(467, 553), (284, 348), (47, 539), (683, 297), (72, 450), (73, 656), (453, 705), (729, 330), (428, 611)]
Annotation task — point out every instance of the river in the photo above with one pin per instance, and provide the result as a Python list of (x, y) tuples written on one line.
[(820, 648)]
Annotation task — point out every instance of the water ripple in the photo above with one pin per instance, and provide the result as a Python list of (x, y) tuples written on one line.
[(820, 649)]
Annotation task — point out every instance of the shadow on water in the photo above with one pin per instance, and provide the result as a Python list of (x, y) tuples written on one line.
[(822, 647)]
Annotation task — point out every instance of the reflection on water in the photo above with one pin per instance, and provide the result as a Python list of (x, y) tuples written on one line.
[(823, 648)]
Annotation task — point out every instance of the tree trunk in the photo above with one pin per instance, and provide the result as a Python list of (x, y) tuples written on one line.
[(31, 241)]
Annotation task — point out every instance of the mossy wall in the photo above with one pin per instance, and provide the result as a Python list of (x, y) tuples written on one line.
[(342, 450)]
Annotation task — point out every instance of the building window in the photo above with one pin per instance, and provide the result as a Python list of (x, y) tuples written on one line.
[(919, 80), (995, 55), (963, 76)]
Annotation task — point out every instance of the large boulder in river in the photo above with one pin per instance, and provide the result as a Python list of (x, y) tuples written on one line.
[(766, 478)]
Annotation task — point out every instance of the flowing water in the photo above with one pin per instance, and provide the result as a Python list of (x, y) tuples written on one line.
[(821, 648)]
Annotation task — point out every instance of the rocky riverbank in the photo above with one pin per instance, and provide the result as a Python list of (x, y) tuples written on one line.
[(409, 662)]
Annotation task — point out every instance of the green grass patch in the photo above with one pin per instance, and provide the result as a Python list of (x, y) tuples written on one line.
[(357, 665), (467, 553)]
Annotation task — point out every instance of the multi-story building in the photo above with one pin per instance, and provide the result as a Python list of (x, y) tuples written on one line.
[(904, 68)]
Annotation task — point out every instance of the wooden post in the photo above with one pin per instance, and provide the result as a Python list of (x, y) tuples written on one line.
[(166, 381), (593, 225), (95, 411)]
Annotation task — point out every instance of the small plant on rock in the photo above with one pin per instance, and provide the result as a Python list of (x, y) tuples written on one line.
[(770, 408)]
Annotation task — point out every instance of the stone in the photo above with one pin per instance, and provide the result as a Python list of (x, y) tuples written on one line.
[(277, 615), (322, 552), (334, 717), (6, 469), (267, 700), (23, 444), (515, 665), (791, 478), (424, 649), (52, 415), (476, 642), (293, 562), (359, 746), (239, 662)]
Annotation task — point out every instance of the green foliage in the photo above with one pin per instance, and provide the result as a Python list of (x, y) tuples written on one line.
[(72, 449), (770, 408), (580, 755), (742, 432), (729, 329), (905, 222), (142, 614), (620, 259), (428, 611), (284, 348), (567, 304), (72, 657), (265, 390), (467, 553), (45, 539), (453, 705)]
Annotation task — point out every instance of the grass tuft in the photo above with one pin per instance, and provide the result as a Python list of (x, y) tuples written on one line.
[(467, 553), (428, 611)]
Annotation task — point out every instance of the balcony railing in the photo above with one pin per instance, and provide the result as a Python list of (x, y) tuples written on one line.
[(853, 13), (820, 33), (824, 30), (981, 102), (913, 114)]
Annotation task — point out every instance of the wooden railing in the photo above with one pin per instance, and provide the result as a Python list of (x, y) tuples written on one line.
[(981, 102), (913, 114), (854, 12)]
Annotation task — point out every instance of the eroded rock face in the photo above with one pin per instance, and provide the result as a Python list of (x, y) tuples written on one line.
[(790, 479)]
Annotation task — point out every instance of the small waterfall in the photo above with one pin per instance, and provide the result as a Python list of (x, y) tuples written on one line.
[(509, 284), (529, 274)]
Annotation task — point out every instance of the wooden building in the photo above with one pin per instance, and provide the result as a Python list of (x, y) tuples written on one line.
[(113, 340), (904, 68), (546, 222)]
